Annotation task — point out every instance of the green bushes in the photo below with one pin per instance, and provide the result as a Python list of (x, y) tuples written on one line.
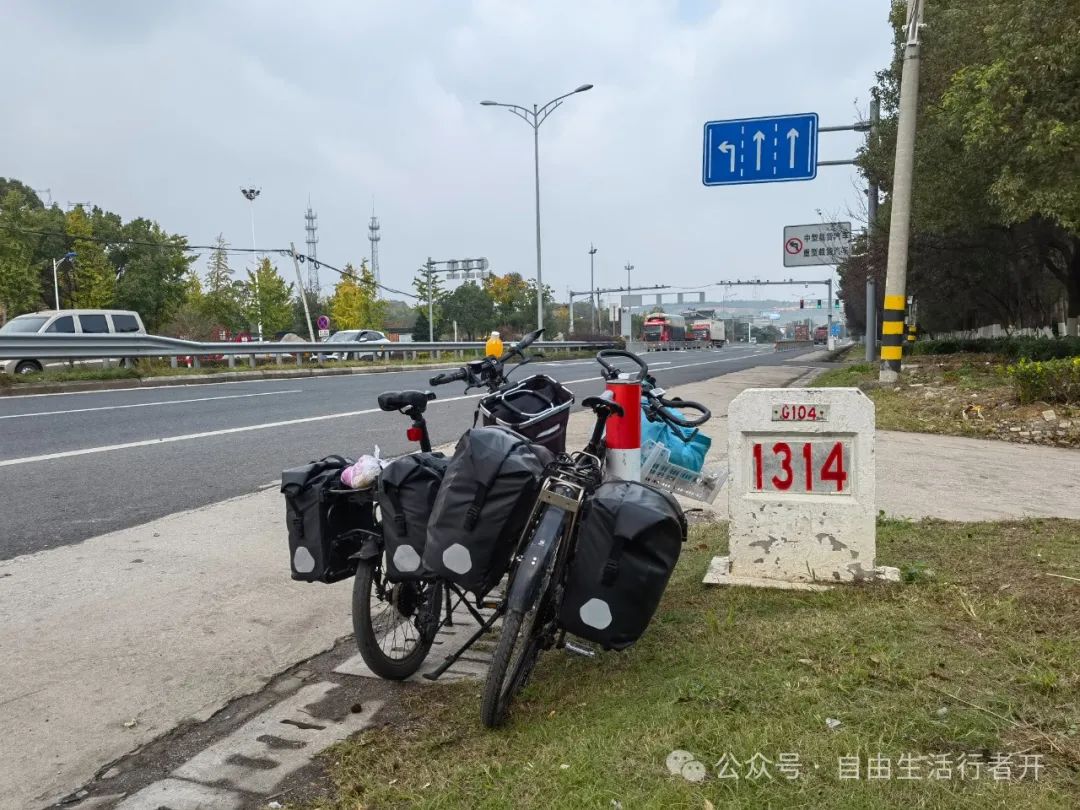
[(1046, 381), (1011, 348)]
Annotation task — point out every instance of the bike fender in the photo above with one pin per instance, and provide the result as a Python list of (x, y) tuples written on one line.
[(538, 555)]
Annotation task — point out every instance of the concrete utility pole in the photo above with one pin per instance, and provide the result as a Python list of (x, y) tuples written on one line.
[(892, 326), (593, 303), (300, 287), (534, 118)]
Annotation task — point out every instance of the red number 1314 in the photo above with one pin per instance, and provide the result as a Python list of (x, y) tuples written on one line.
[(832, 471)]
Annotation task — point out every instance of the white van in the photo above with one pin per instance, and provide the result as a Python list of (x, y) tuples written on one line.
[(67, 322)]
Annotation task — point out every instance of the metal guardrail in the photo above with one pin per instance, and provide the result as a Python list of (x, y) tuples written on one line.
[(105, 347)]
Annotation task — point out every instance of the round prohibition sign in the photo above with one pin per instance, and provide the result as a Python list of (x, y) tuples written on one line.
[(794, 246)]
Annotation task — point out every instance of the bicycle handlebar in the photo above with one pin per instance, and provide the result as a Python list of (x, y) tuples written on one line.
[(662, 409), (448, 377), (611, 372)]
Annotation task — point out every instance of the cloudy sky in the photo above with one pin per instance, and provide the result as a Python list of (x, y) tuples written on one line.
[(165, 109)]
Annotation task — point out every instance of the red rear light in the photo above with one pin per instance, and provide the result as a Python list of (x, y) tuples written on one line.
[(414, 434)]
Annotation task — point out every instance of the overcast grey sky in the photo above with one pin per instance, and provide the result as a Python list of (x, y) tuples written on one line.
[(165, 109)]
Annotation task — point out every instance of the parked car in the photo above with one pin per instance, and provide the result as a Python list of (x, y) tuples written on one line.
[(67, 322), (355, 336)]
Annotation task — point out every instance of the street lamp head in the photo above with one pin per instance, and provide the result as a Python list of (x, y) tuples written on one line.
[(489, 103), (251, 193), (583, 88)]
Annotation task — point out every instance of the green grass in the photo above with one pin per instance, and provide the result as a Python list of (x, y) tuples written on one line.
[(978, 651)]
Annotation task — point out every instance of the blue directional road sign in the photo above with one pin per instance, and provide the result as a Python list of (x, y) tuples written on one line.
[(760, 150)]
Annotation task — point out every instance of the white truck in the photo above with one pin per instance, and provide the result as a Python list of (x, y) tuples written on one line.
[(707, 329)]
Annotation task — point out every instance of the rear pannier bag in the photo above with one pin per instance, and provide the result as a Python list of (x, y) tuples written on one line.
[(325, 520), (538, 408), (629, 540), (407, 489), (480, 512)]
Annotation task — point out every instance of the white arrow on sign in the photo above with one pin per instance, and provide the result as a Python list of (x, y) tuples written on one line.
[(729, 147), (759, 136), (792, 134)]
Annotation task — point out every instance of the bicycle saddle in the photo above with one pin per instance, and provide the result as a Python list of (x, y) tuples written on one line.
[(400, 400)]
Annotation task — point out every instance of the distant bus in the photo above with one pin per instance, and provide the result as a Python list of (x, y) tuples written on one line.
[(663, 328)]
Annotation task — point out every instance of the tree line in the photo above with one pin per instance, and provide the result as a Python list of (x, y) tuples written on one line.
[(138, 265), (996, 202)]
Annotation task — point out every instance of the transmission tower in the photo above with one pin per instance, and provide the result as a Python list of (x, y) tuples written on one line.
[(312, 242), (373, 237)]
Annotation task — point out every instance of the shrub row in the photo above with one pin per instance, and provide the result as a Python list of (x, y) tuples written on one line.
[(1046, 380), (1011, 348)]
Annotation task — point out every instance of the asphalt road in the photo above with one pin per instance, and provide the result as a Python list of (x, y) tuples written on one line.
[(74, 466)]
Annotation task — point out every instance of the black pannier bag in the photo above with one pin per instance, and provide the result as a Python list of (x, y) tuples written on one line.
[(537, 407), (480, 512), (407, 489), (325, 520), (629, 539)]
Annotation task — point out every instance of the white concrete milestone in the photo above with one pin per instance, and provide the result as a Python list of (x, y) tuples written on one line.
[(801, 488)]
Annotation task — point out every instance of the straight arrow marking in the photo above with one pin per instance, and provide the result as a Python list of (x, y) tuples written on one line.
[(759, 136), (792, 134)]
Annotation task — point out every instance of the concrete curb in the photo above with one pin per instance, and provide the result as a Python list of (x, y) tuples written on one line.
[(225, 376)]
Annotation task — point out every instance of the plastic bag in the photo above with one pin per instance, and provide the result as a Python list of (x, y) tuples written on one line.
[(364, 472), (688, 446)]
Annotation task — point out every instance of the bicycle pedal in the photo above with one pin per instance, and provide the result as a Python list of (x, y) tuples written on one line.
[(579, 649)]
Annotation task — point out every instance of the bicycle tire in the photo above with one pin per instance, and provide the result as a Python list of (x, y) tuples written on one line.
[(496, 704), (369, 639)]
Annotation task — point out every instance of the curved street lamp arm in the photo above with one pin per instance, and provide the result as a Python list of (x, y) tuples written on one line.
[(548, 109)]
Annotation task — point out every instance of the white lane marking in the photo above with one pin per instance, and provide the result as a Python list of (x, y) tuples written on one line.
[(86, 451), (11, 462), (152, 404)]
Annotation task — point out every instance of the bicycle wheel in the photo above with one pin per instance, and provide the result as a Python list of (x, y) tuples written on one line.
[(394, 623), (522, 634)]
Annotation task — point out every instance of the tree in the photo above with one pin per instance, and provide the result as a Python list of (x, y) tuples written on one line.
[(93, 279), (471, 307), (996, 208), (420, 326), (373, 308), (151, 267), (20, 281), (222, 301), (510, 294), (272, 303)]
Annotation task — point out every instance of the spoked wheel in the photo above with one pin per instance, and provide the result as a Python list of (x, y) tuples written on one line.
[(513, 662), (525, 633), (395, 623)]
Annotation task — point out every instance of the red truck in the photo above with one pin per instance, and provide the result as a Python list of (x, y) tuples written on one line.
[(821, 335)]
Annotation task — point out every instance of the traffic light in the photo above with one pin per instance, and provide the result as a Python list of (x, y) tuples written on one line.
[(802, 304), (838, 303), (819, 303)]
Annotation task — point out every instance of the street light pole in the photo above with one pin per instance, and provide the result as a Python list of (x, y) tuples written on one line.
[(250, 194), (56, 284), (534, 118), (592, 287)]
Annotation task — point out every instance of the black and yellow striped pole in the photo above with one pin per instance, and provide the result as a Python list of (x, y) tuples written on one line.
[(892, 324), (892, 332)]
